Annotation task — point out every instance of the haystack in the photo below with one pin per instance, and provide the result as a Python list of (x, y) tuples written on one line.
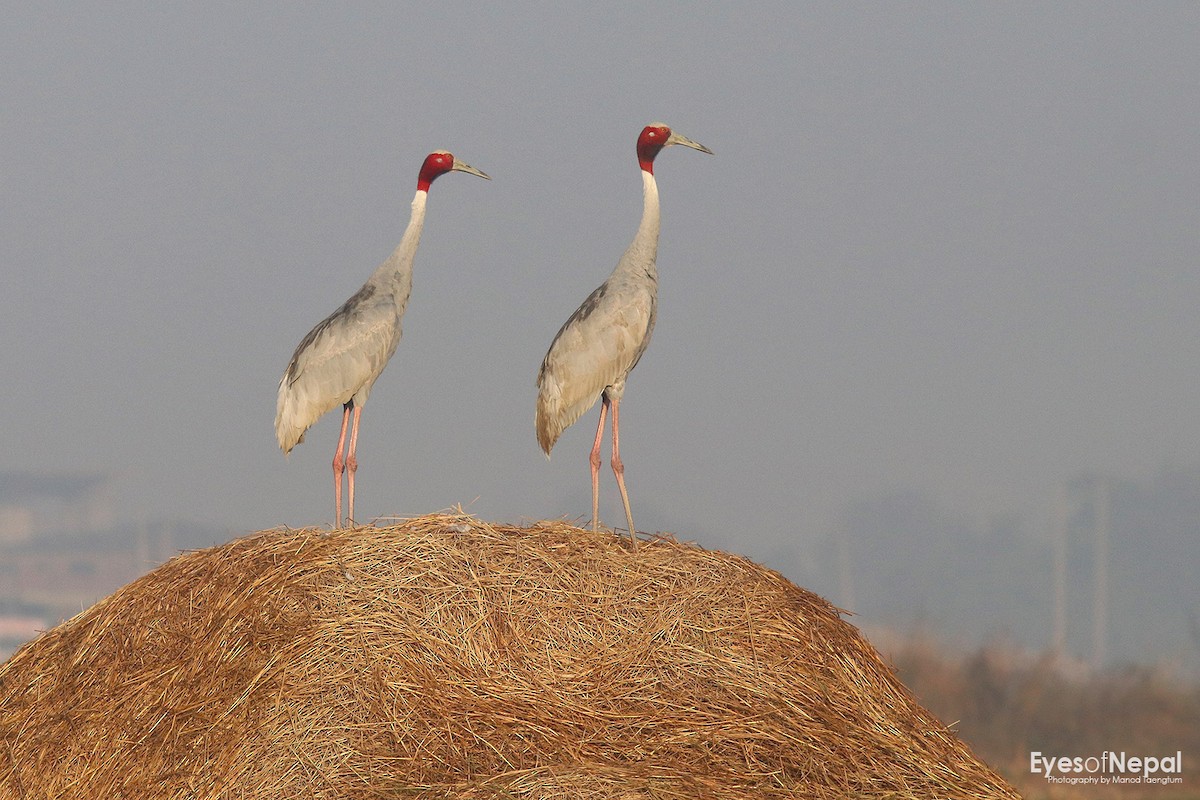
[(446, 657)]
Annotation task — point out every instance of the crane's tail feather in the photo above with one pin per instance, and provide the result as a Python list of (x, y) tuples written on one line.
[(292, 416), (555, 413), (549, 420), (547, 432)]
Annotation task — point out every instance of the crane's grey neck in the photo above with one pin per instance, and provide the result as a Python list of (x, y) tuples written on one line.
[(643, 250), (395, 275)]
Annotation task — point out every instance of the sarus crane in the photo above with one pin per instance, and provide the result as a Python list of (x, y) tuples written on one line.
[(338, 361), (594, 351)]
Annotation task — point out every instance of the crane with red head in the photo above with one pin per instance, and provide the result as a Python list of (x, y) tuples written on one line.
[(338, 361), (599, 345)]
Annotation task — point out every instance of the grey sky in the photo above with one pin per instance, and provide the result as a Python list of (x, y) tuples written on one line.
[(944, 247)]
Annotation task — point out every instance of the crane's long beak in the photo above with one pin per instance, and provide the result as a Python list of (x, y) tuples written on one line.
[(461, 167), (675, 138)]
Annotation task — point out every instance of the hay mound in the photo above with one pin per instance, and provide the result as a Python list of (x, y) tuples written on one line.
[(446, 657)]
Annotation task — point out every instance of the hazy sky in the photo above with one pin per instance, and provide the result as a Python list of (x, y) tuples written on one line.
[(949, 248)]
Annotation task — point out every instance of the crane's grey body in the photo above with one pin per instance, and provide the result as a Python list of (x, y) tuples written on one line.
[(600, 344), (339, 360)]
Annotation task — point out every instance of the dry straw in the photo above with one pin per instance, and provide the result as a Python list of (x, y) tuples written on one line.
[(447, 657)]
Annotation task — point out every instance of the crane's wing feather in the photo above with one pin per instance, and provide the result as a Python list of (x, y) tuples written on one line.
[(595, 349), (337, 360)]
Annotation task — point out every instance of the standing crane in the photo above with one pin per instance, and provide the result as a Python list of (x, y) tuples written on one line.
[(338, 361), (596, 348)]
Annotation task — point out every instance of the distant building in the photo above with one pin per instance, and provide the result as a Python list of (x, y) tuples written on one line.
[(34, 503), (60, 550)]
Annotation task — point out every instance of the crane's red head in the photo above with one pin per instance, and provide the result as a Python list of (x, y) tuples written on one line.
[(651, 141), (654, 138), (439, 162), (436, 163)]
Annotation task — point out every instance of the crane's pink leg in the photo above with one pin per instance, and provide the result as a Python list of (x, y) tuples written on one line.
[(352, 460), (594, 460), (619, 471), (339, 469)]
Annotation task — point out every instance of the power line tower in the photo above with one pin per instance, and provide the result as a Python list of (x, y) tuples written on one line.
[(1102, 531), (1083, 509)]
